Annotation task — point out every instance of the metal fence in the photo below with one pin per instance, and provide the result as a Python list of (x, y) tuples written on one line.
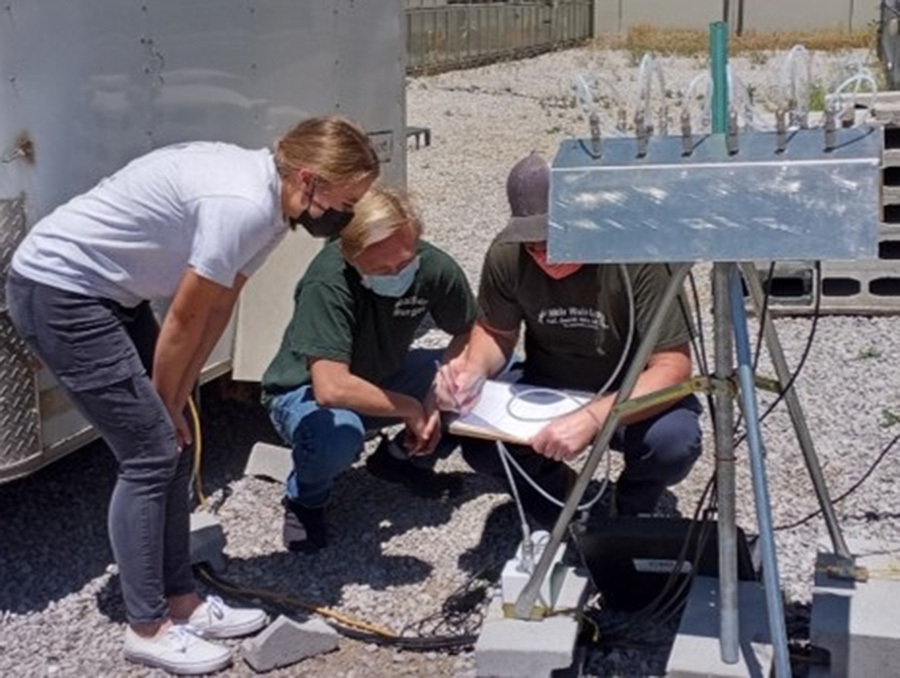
[(462, 36)]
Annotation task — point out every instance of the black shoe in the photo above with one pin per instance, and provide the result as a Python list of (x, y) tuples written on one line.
[(304, 528), (420, 481)]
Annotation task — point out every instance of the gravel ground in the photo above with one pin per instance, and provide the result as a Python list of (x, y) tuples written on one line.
[(394, 557)]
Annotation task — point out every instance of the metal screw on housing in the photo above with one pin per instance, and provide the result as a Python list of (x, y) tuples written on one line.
[(622, 121), (731, 139), (780, 130), (848, 117), (687, 137), (642, 132), (830, 129), (596, 142)]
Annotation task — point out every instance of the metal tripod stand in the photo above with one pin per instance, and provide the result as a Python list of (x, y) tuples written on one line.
[(730, 333)]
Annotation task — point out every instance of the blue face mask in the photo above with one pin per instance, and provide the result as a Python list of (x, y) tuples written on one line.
[(392, 285)]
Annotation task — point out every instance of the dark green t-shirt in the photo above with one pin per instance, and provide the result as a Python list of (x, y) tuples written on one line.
[(336, 318), (575, 328)]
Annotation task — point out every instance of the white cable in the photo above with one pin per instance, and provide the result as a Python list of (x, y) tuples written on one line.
[(689, 96), (789, 90), (507, 456), (527, 547), (649, 67), (587, 101), (583, 94), (863, 76)]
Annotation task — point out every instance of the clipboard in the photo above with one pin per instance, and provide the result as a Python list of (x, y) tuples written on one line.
[(514, 412)]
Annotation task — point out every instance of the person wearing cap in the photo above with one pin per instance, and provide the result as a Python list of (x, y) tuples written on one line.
[(352, 372), (576, 321)]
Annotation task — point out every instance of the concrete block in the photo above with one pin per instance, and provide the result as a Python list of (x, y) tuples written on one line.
[(285, 642), (510, 647), (696, 652), (273, 462), (857, 621), (207, 540)]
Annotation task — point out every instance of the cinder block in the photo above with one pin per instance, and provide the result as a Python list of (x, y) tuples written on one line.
[(269, 461), (207, 540), (857, 621), (285, 642), (696, 652), (509, 648)]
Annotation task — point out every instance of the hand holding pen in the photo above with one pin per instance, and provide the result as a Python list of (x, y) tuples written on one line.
[(457, 390)]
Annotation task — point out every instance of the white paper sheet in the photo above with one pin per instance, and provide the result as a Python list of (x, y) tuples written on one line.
[(514, 411)]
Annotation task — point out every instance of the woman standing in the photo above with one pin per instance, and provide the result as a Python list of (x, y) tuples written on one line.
[(191, 222)]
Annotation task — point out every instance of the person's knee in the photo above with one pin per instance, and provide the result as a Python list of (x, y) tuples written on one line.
[(324, 444), (481, 455), (673, 450)]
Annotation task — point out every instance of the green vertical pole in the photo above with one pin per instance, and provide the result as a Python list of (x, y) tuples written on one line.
[(718, 55)]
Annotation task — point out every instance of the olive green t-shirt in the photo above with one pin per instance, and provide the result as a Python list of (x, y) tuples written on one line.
[(337, 318), (577, 327)]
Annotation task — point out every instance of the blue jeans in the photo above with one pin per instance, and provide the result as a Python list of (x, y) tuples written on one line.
[(659, 452), (326, 441)]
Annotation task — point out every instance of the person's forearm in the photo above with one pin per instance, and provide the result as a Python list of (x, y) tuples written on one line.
[(215, 327), (179, 340), (354, 393), (456, 347), (486, 354), (650, 381)]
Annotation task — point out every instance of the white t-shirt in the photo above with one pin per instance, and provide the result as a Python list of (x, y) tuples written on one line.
[(210, 206)]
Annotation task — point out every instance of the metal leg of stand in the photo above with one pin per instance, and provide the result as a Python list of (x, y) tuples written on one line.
[(526, 600), (729, 626), (797, 418), (774, 607)]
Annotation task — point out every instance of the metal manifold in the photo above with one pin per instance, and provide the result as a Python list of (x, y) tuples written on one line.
[(765, 196)]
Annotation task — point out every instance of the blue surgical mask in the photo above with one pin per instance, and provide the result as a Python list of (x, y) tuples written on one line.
[(394, 285)]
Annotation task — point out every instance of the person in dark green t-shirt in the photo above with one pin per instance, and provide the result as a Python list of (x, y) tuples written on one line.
[(345, 367), (576, 320)]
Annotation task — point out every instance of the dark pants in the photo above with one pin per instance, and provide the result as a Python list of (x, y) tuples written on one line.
[(659, 452), (101, 354)]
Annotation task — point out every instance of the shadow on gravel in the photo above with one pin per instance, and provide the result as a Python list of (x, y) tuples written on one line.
[(53, 524), (364, 515), (53, 537)]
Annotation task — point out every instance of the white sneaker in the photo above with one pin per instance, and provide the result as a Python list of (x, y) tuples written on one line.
[(176, 650), (214, 619)]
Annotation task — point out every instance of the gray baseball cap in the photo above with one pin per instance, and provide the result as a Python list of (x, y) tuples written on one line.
[(528, 192)]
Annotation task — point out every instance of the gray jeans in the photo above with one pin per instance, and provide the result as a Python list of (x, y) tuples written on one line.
[(102, 353)]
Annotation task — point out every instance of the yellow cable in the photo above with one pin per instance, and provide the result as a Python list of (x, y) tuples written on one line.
[(198, 453), (281, 598)]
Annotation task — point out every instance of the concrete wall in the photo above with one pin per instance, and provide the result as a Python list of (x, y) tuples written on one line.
[(760, 15)]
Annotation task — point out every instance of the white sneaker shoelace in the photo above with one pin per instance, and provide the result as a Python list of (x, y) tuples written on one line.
[(180, 638)]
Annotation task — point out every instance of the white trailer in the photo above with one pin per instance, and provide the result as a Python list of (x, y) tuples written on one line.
[(87, 85)]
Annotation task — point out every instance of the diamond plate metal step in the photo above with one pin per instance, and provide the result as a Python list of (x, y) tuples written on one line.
[(19, 414)]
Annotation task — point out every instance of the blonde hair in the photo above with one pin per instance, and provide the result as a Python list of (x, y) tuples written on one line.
[(378, 215), (332, 147)]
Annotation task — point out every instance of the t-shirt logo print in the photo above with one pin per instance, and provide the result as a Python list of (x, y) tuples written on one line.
[(573, 318), (410, 307)]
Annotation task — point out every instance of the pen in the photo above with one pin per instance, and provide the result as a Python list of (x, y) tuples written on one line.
[(440, 371)]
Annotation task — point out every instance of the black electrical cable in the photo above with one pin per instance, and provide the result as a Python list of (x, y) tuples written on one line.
[(764, 315), (277, 603), (460, 613), (855, 486), (796, 373), (763, 318), (638, 621)]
